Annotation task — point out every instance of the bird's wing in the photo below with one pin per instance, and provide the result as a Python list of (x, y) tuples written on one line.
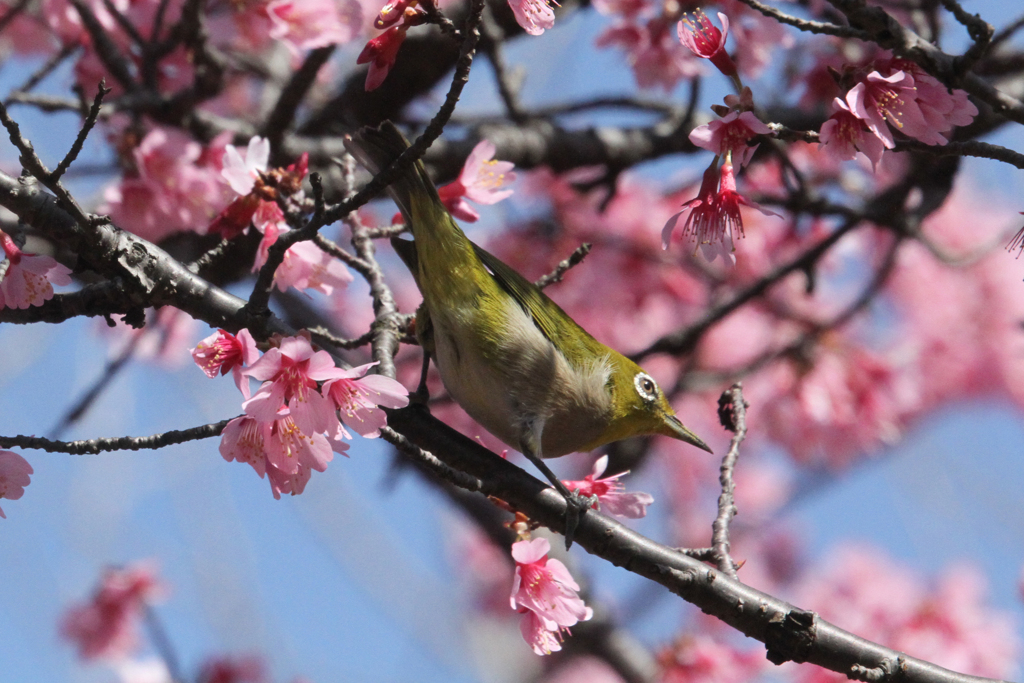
[(548, 316)]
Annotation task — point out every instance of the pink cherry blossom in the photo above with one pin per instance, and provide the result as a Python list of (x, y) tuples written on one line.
[(14, 476), (107, 625), (942, 107), (290, 448), (542, 635), (610, 492), (306, 266), (61, 16), (729, 199), (704, 39), (546, 593), (308, 24), (290, 374), (288, 484), (701, 223), (357, 396), (27, 279), (849, 402), (271, 229), (481, 180), (380, 53), (263, 189), (534, 16), (715, 218), (242, 172), (176, 187), (543, 585), (244, 439), (844, 134), (730, 134), (891, 98), (222, 351), (278, 450)]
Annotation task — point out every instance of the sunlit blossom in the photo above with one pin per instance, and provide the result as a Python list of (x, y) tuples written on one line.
[(704, 39), (610, 493)]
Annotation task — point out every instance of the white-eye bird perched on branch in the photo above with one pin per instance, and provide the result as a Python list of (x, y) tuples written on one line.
[(514, 360)]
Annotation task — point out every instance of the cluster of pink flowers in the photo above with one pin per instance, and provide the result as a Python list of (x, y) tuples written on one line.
[(14, 476), (173, 185), (546, 595), (610, 494), (297, 419), (948, 623), (27, 279), (893, 93), (259, 193), (107, 625)]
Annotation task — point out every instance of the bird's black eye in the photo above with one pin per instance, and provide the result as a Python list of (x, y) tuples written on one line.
[(646, 386)]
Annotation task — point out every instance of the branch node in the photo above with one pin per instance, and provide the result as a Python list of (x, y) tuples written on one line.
[(790, 636)]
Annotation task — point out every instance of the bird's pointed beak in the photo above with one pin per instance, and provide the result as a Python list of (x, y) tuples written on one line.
[(672, 427)]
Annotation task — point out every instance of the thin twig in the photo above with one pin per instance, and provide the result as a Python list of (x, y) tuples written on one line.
[(732, 411), (323, 336), (386, 231), (807, 24), (337, 251), (87, 125), (1006, 32), (980, 31), (117, 443), (563, 266), (508, 89), (45, 70)]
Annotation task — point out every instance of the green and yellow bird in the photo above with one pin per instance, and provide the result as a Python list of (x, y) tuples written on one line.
[(509, 355)]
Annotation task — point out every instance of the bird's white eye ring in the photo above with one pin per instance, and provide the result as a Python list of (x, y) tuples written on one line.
[(646, 386)]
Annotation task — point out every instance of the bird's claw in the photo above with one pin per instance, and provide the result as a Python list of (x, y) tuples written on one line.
[(576, 504)]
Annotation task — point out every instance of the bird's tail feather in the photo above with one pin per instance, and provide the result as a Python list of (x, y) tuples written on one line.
[(376, 148)]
